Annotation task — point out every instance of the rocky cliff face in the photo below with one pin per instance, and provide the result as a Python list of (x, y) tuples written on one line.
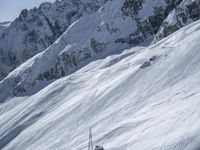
[(186, 12), (35, 30), (148, 19)]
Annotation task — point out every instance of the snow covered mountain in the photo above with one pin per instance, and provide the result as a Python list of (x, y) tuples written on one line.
[(38, 28), (79, 63), (116, 25), (142, 98), (35, 30)]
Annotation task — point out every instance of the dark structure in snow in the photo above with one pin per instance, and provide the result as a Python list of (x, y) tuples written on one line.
[(145, 65), (98, 148)]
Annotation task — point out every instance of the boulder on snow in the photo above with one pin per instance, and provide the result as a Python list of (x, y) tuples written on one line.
[(153, 58), (145, 64)]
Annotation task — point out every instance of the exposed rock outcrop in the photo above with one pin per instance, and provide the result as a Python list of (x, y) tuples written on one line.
[(185, 13)]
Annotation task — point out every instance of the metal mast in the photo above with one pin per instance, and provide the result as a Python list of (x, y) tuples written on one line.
[(90, 144)]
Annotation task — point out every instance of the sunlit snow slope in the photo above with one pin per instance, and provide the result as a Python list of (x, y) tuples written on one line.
[(141, 99)]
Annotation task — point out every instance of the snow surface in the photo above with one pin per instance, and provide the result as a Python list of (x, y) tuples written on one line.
[(128, 107)]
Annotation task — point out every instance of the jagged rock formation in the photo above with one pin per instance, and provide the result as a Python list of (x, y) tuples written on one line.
[(148, 20), (35, 30), (185, 13)]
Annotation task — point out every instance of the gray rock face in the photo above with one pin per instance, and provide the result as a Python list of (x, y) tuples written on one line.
[(132, 7), (145, 65), (149, 26), (3, 27), (35, 30), (184, 13)]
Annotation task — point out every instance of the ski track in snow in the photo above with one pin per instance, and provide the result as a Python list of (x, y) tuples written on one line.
[(128, 108)]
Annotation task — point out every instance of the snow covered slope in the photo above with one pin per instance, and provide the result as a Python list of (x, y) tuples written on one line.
[(143, 98), (131, 20), (115, 26)]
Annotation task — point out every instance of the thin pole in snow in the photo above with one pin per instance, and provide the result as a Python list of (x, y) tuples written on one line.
[(90, 144)]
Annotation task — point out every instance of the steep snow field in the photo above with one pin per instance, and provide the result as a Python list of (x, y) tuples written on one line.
[(141, 99)]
